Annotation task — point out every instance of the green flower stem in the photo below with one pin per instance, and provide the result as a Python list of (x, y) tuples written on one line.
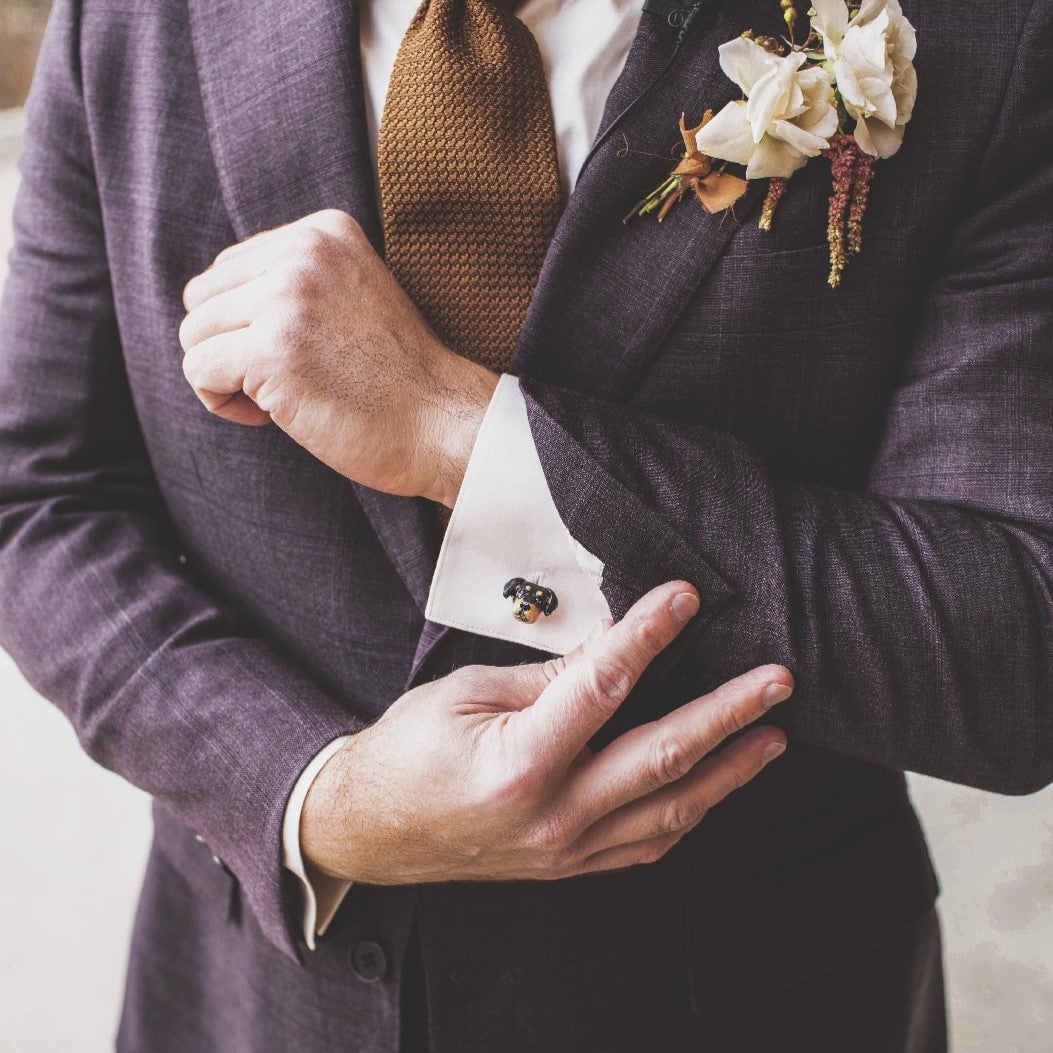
[(658, 195)]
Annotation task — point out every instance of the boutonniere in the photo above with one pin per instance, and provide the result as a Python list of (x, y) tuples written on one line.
[(845, 92)]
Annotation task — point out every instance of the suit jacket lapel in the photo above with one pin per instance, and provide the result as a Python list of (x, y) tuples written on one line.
[(609, 291), (282, 92)]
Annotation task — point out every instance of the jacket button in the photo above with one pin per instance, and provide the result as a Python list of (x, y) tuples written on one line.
[(368, 961)]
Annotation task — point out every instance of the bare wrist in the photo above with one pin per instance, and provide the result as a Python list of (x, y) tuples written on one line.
[(323, 819), (458, 415)]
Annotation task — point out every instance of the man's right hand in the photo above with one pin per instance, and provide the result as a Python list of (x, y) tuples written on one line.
[(486, 773)]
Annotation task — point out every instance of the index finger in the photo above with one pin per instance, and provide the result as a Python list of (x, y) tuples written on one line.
[(331, 220), (582, 698)]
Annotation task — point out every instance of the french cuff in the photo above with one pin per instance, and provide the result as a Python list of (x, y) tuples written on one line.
[(505, 525), (322, 895)]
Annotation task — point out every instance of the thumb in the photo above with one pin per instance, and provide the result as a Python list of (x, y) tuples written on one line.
[(536, 676)]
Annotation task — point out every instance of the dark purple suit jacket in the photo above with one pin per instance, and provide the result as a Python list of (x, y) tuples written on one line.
[(860, 483)]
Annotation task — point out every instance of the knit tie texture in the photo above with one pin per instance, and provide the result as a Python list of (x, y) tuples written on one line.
[(468, 172)]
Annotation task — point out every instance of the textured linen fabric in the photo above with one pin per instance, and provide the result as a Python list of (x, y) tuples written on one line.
[(468, 175), (858, 481)]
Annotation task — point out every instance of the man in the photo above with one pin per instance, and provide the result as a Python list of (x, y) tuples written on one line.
[(752, 475)]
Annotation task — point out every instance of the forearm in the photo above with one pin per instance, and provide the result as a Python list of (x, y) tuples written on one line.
[(162, 683), (870, 600)]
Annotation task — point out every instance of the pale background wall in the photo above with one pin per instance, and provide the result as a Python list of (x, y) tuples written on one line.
[(73, 842)]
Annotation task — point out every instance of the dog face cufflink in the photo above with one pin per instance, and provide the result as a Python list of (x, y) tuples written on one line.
[(529, 601)]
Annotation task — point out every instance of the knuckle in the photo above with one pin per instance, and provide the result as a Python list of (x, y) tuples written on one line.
[(280, 331), (190, 369), (466, 679), (607, 683), (729, 721), (735, 777), (677, 815), (548, 840), (504, 784), (561, 864), (212, 402), (184, 332), (558, 873), (341, 223), (669, 760), (647, 639), (654, 850), (553, 667), (310, 241), (739, 776), (301, 279), (523, 783), (564, 863)]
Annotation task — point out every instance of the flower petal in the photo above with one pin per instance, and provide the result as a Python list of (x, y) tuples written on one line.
[(851, 93), (728, 135), (904, 35), (772, 94), (745, 62), (870, 10), (820, 101), (774, 158), (821, 119), (866, 91), (805, 142), (830, 21), (865, 71), (877, 139), (905, 88)]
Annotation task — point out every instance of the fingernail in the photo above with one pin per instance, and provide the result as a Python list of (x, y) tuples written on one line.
[(773, 750), (775, 693), (685, 606)]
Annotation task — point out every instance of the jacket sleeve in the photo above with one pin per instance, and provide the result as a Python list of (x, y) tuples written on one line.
[(917, 613), (161, 682)]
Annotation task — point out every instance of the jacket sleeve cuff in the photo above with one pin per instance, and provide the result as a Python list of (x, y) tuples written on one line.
[(321, 894), (505, 525)]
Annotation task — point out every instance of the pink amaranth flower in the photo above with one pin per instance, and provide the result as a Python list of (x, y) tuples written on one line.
[(864, 172), (842, 166)]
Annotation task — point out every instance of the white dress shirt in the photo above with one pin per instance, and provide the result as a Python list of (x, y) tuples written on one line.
[(504, 523)]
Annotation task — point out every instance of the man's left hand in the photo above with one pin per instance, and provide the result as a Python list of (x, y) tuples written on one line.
[(305, 326)]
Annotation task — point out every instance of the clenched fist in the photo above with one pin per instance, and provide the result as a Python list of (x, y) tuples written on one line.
[(305, 326)]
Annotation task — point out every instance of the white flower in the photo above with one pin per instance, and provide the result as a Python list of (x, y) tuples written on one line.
[(788, 116), (871, 56)]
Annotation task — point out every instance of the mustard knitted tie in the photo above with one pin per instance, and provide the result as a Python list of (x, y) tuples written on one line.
[(468, 173)]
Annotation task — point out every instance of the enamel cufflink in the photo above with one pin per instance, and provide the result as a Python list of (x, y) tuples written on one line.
[(529, 600)]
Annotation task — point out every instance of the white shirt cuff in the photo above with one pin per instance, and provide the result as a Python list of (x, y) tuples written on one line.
[(322, 897), (505, 525)]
